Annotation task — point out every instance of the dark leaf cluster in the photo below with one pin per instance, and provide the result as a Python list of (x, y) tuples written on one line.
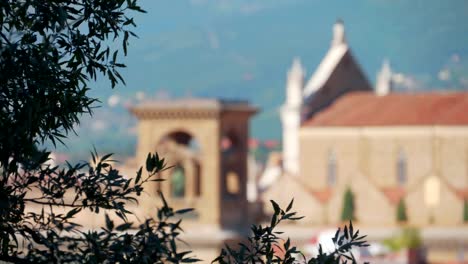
[(344, 240), (266, 246), (49, 51), (53, 236)]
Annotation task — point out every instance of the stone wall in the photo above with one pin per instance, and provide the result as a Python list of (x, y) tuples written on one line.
[(366, 161)]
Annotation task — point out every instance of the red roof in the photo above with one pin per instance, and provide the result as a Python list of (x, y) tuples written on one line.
[(394, 194), (462, 193), (395, 109), (323, 196)]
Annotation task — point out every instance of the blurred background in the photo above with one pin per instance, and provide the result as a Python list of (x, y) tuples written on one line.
[(363, 115), (242, 49)]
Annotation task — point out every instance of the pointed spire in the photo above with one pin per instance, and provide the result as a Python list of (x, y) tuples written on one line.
[(296, 68), (338, 33), (386, 69), (384, 79), (291, 116), (295, 83)]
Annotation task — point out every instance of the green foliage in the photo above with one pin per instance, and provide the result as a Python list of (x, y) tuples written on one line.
[(465, 211), (55, 237), (408, 238), (49, 53), (401, 212), (347, 213), (264, 243), (344, 241)]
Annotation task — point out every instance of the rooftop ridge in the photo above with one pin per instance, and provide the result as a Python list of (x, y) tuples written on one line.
[(395, 109)]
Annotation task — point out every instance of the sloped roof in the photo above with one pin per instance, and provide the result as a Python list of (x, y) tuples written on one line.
[(322, 195), (325, 68), (394, 194), (462, 193), (395, 109)]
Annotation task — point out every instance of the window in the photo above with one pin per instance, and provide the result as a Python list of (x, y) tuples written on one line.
[(401, 168), (432, 192), (181, 148), (331, 169), (178, 182), (232, 183)]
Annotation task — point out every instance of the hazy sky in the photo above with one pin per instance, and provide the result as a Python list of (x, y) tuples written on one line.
[(241, 49)]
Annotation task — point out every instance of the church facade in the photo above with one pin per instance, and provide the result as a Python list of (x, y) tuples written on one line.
[(337, 74), (415, 154), (389, 148)]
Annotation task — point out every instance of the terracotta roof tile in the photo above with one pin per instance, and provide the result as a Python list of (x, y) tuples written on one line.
[(395, 109), (462, 193), (394, 194), (323, 196)]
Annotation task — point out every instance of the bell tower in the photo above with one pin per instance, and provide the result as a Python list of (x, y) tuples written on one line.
[(205, 142)]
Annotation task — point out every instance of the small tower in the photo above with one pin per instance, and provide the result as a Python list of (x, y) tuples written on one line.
[(384, 79), (339, 36), (205, 142), (291, 117), (295, 83)]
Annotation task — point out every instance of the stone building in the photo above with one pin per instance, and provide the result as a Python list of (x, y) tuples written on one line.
[(387, 147), (337, 74), (205, 143), (411, 147)]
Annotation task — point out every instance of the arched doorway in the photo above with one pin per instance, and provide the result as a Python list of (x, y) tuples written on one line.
[(182, 151)]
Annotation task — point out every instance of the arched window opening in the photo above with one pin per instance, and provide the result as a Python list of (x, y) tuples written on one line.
[(178, 182), (232, 183), (331, 169), (402, 168), (180, 138), (179, 147)]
